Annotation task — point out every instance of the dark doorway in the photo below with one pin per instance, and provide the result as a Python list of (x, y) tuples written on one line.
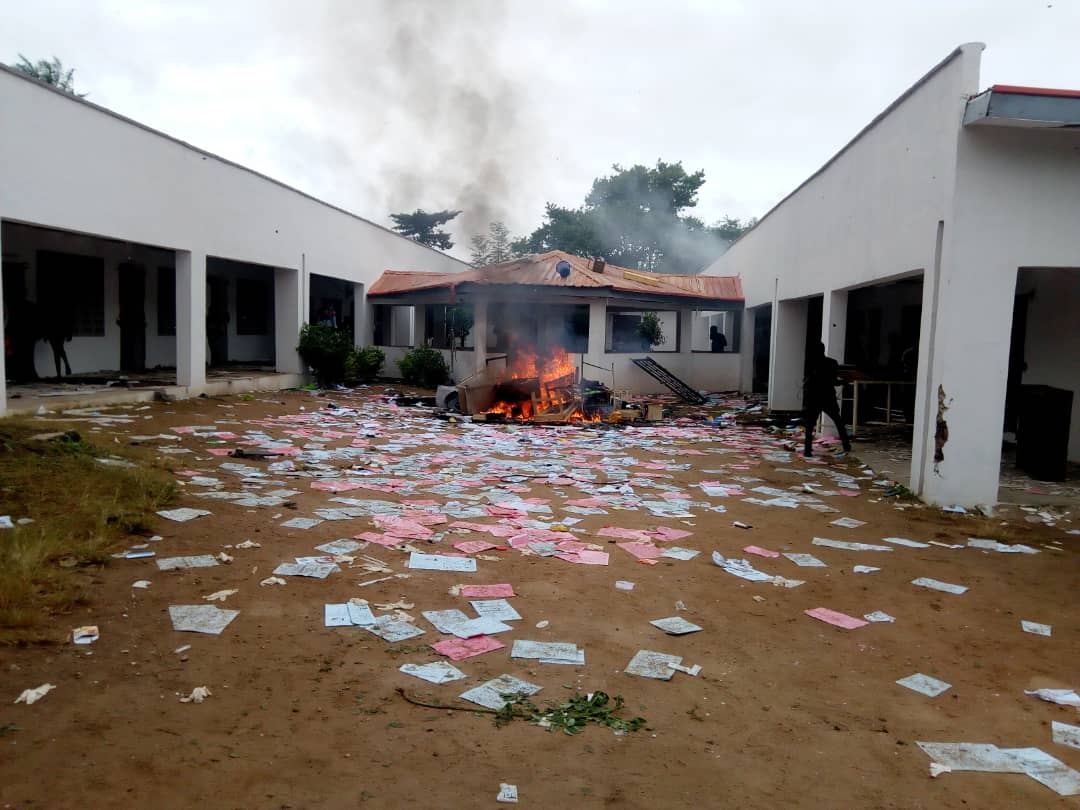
[(1017, 363), (814, 314), (132, 318), (762, 338), (217, 320)]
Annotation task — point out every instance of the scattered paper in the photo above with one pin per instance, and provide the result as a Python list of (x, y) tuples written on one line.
[(924, 684), (31, 696), (740, 568), (301, 523), (86, 634), (937, 585), (393, 630), (221, 596), (836, 618), (507, 793), (441, 562), (624, 585), (1040, 766), (900, 541), (496, 609), (457, 649), (201, 618), (548, 652), (824, 541), (197, 561), (1036, 628), (183, 514), (435, 672), (272, 581), (848, 523), (497, 692), (1063, 697), (141, 584), (675, 625), (349, 614), (805, 560), (1064, 734), (761, 552), (879, 616), (198, 695), (484, 591), (994, 545), (649, 664)]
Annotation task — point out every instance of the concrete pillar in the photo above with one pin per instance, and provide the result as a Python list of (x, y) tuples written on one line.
[(191, 319), (834, 323), (597, 330), (361, 323), (788, 355), (480, 335), (419, 333), (686, 333), (746, 350), (969, 352), (3, 354), (288, 318)]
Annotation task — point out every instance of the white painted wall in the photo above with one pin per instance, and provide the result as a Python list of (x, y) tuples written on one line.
[(74, 166)]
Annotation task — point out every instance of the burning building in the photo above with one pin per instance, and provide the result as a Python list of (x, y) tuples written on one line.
[(534, 336)]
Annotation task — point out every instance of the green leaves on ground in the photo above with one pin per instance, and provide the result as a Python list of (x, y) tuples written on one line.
[(571, 715)]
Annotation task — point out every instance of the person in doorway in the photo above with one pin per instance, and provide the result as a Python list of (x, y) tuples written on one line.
[(819, 397), (718, 339), (59, 329)]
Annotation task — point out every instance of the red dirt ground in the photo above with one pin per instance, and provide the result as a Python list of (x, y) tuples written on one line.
[(787, 711)]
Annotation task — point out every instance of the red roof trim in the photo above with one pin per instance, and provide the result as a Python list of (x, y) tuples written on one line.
[(1034, 91)]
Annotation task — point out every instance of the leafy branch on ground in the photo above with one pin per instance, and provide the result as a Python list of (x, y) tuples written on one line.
[(571, 715)]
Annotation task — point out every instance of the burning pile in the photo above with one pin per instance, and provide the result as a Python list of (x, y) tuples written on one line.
[(538, 389)]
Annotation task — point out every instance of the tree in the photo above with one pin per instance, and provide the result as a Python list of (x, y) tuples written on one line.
[(636, 218), (425, 228), (51, 72), (731, 228), (493, 248)]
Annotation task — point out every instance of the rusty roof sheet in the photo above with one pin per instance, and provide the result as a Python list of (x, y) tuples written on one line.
[(539, 271)]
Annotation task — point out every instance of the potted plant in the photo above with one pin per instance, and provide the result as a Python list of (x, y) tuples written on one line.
[(650, 330)]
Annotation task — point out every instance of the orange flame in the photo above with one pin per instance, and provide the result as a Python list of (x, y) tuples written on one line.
[(555, 375)]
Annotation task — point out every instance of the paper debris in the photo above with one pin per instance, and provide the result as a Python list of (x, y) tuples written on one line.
[(301, 523), (507, 793), (924, 684), (457, 649), (221, 596), (864, 569), (315, 570), (197, 561), (547, 651), (994, 545), (693, 671), (649, 664), (249, 544), (836, 618), (393, 630), (484, 591), (441, 562), (824, 541), (435, 672), (1036, 628), (676, 553), (337, 548), (496, 609), (805, 560), (675, 625), (761, 552), (624, 585), (273, 581), (740, 568), (198, 695), (1064, 734), (31, 696), (879, 616), (183, 514), (490, 695), (937, 769), (937, 585), (87, 634), (349, 614), (848, 523), (1063, 697), (1040, 766), (900, 541), (201, 618), (141, 584)]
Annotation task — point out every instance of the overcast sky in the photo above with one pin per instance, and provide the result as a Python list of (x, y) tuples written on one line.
[(498, 107)]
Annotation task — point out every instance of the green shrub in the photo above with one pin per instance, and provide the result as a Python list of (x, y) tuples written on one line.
[(325, 350), (364, 364), (424, 366), (650, 330)]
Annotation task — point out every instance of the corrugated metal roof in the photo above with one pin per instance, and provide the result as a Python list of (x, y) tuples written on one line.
[(539, 271)]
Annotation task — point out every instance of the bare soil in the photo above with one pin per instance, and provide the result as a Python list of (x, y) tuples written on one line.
[(787, 711)]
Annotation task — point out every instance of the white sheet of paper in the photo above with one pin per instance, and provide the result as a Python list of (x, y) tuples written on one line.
[(1036, 628), (805, 560), (490, 694), (435, 672), (924, 684), (649, 664), (824, 541), (197, 561), (183, 514), (440, 562), (937, 585), (499, 609), (901, 541), (201, 618), (1064, 734)]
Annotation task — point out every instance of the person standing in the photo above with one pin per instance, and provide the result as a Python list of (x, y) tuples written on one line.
[(718, 339), (819, 397)]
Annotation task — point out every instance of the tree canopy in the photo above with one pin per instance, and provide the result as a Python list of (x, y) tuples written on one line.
[(425, 228), (636, 218), (50, 71), (492, 248)]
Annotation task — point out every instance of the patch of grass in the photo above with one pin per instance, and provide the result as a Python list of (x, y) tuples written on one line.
[(82, 510), (992, 529)]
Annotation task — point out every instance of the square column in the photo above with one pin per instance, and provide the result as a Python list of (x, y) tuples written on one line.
[(361, 324), (686, 333), (834, 323), (191, 319), (480, 331), (597, 329), (788, 361), (419, 333), (288, 318), (3, 354)]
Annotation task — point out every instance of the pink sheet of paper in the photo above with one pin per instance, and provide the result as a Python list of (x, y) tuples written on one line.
[(501, 590), (625, 534), (424, 517), (378, 539), (335, 486), (835, 618), (643, 551), (400, 527), (588, 502), (219, 451), (473, 546), (761, 552), (586, 557), (667, 533), (458, 648)]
